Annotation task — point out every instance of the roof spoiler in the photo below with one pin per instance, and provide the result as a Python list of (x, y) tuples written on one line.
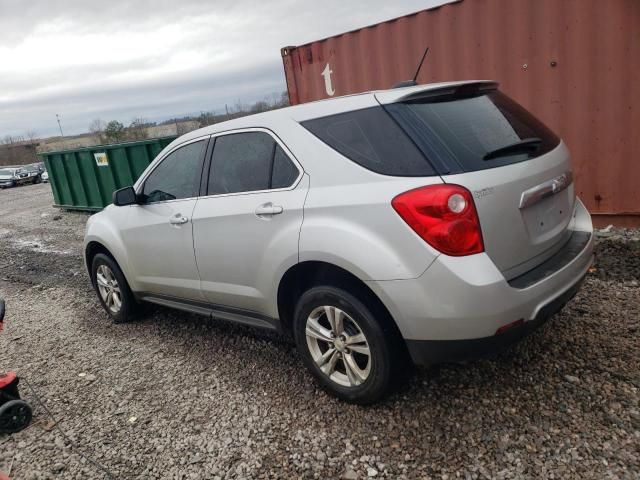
[(426, 92)]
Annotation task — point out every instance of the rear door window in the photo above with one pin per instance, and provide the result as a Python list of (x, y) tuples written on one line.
[(249, 162), (373, 140), (284, 171), (474, 132)]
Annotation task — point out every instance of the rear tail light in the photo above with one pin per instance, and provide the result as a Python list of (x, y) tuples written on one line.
[(444, 216)]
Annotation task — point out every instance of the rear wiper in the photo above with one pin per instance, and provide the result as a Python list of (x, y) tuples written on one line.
[(525, 144)]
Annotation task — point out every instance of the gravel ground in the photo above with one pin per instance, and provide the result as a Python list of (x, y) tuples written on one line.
[(174, 396)]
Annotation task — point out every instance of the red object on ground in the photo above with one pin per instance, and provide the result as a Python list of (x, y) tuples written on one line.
[(3, 476), (7, 379)]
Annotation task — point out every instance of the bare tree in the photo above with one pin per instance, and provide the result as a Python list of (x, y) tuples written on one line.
[(31, 135), (138, 129), (261, 106), (96, 128)]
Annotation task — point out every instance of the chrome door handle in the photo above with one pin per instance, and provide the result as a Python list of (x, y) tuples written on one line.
[(178, 220), (269, 209)]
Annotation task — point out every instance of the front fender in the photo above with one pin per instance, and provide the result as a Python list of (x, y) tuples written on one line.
[(102, 228)]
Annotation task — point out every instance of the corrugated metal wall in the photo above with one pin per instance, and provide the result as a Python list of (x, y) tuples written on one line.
[(574, 63)]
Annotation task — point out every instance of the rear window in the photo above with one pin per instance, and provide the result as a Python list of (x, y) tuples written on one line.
[(474, 132), (373, 140)]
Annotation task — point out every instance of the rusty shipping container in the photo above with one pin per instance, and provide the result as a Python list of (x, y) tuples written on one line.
[(574, 63)]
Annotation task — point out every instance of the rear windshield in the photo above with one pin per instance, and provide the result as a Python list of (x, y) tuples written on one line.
[(4, 171), (373, 140), (474, 132)]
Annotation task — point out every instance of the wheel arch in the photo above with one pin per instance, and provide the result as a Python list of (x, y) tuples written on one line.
[(94, 247), (304, 275)]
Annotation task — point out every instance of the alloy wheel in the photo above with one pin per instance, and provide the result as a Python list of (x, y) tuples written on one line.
[(109, 289), (338, 346)]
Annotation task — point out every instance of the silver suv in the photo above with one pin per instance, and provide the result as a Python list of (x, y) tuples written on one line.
[(431, 223)]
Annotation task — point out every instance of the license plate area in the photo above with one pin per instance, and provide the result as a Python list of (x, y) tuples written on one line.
[(549, 217)]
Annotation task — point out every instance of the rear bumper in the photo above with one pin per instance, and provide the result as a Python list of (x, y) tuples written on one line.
[(455, 309), (429, 352)]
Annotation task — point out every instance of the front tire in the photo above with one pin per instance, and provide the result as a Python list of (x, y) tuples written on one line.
[(112, 289), (343, 345)]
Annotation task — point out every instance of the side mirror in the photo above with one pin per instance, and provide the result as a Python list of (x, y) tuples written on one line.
[(125, 196)]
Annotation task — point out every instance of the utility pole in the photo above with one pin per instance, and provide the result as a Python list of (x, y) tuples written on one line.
[(59, 124)]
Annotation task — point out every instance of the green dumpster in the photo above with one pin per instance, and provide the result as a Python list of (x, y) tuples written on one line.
[(85, 178)]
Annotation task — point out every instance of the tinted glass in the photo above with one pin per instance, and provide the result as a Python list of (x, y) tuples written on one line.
[(461, 132), (241, 163), (372, 139), (178, 176), (248, 162), (284, 171)]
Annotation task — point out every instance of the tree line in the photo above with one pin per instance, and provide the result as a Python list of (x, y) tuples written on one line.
[(139, 128), (115, 131)]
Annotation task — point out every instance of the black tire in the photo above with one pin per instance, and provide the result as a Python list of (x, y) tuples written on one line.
[(15, 415), (128, 307), (381, 346)]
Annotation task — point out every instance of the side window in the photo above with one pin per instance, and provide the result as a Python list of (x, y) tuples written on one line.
[(248, 162), (372, 139), (177, 176), (284, 171)]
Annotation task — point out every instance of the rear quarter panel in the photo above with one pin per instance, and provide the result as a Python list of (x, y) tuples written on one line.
[(355, 227)]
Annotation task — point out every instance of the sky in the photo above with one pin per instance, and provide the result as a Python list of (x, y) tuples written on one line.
[(116, 59)]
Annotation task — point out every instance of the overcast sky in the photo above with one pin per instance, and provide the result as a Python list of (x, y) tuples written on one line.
[(117, 59)]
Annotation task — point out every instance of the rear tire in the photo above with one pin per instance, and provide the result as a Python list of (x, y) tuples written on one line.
[(343, 345), (112, 289)]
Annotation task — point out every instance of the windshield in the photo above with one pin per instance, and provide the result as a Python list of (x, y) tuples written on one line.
[(6, 171), (469, 133)]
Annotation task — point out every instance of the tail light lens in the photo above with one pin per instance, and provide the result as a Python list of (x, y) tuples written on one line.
[(444, 216)]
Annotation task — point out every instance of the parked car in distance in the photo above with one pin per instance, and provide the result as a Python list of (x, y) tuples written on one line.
[(45, 176), (34, 172), (13, 176), (8, 177), (429, 223)]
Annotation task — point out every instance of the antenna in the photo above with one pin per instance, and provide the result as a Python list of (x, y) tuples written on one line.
[(412, 82), (421, 62)]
